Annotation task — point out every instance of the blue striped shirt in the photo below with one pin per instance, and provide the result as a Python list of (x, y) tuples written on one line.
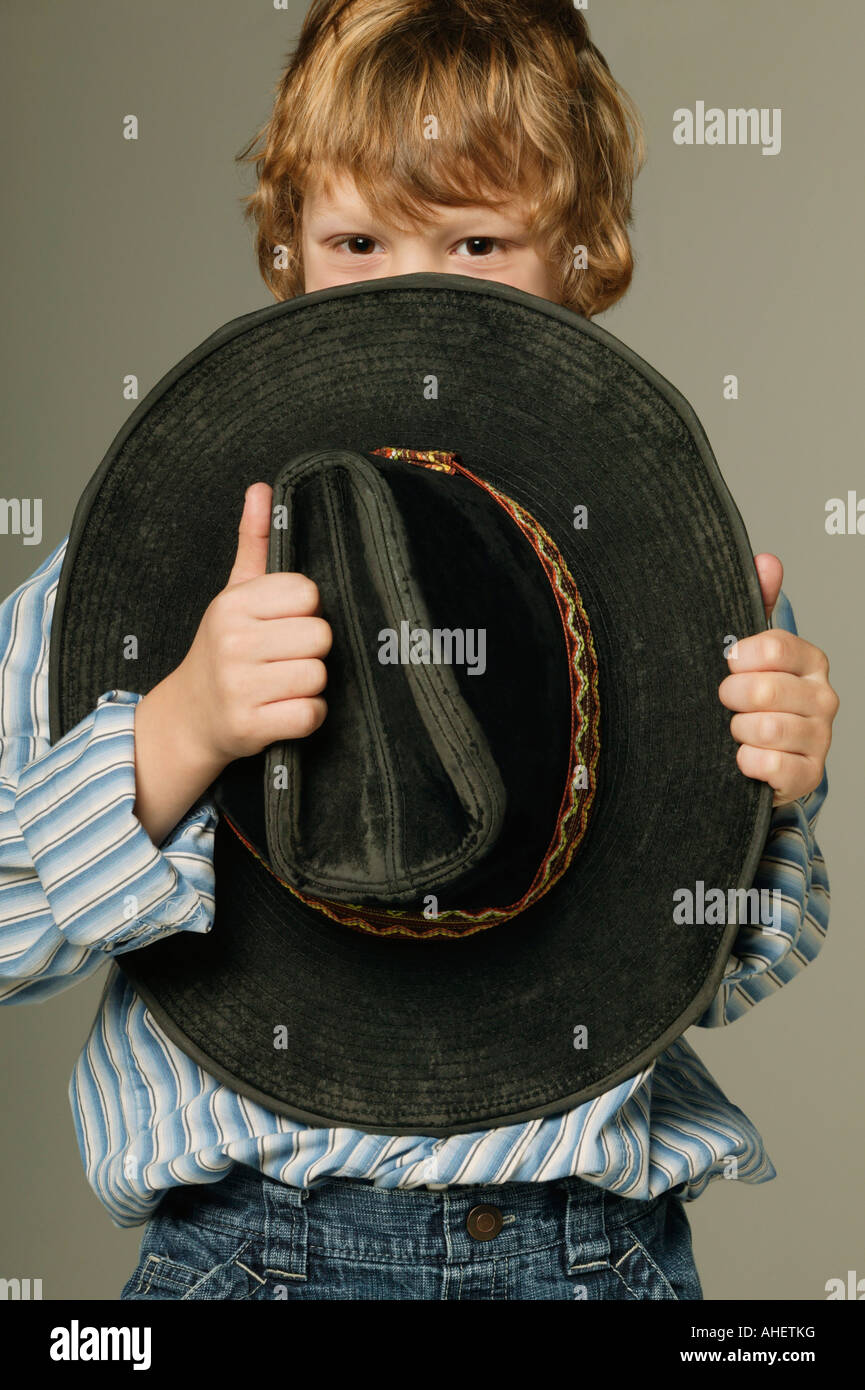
[(75, 864)]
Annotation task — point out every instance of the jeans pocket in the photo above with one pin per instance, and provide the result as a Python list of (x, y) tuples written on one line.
[(653, 1257), (631, 1261), (160, 1276)]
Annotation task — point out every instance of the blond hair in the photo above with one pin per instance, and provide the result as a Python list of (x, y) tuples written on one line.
[(526, 106)]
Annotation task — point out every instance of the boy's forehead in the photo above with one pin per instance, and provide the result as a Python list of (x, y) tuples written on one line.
[(337, 193)]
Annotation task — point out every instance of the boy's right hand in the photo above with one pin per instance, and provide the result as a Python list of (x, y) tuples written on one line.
[(254, 672)]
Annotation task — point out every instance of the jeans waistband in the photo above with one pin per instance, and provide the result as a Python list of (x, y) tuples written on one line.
[(355, 1216)]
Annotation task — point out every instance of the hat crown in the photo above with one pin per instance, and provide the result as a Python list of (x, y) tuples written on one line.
[(453, 776)]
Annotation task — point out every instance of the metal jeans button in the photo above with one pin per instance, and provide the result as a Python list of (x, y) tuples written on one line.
[(484, 1223)]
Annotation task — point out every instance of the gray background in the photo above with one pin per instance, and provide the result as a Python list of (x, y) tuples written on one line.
[(122, 256)]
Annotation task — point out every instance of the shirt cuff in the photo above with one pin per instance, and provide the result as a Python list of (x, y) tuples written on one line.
[(108, 886)]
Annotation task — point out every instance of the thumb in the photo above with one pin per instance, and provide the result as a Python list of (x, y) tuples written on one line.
[(253, 535), (770, 572)]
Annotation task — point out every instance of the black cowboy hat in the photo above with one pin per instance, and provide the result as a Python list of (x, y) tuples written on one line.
[(452, 906)]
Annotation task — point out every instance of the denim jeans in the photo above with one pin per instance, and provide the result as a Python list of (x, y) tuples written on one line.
[(249, 1237)]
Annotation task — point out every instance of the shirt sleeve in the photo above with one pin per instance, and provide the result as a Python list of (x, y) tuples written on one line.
[(80, 878), (764, 958)]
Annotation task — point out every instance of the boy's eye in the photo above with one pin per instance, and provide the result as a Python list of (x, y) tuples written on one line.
[(366, 247), (480, 245)]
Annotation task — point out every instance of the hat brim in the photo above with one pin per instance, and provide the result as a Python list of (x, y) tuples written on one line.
[(445, 1036)]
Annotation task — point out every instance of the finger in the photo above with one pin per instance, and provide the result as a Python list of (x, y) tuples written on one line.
[(770, 573), (776, 692), (777, 650), (281, 594), (289, 680), (253, 535), (788, 774), (788, 733), (296, 718), (284, 639)]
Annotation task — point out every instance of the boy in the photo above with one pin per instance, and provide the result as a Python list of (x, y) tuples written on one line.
[(440, 111)]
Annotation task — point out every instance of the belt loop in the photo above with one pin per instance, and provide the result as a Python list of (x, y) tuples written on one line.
[(286, 1230), (586, 1241)]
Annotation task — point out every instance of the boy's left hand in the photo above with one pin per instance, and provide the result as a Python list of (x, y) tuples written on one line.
[(785, 702)]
